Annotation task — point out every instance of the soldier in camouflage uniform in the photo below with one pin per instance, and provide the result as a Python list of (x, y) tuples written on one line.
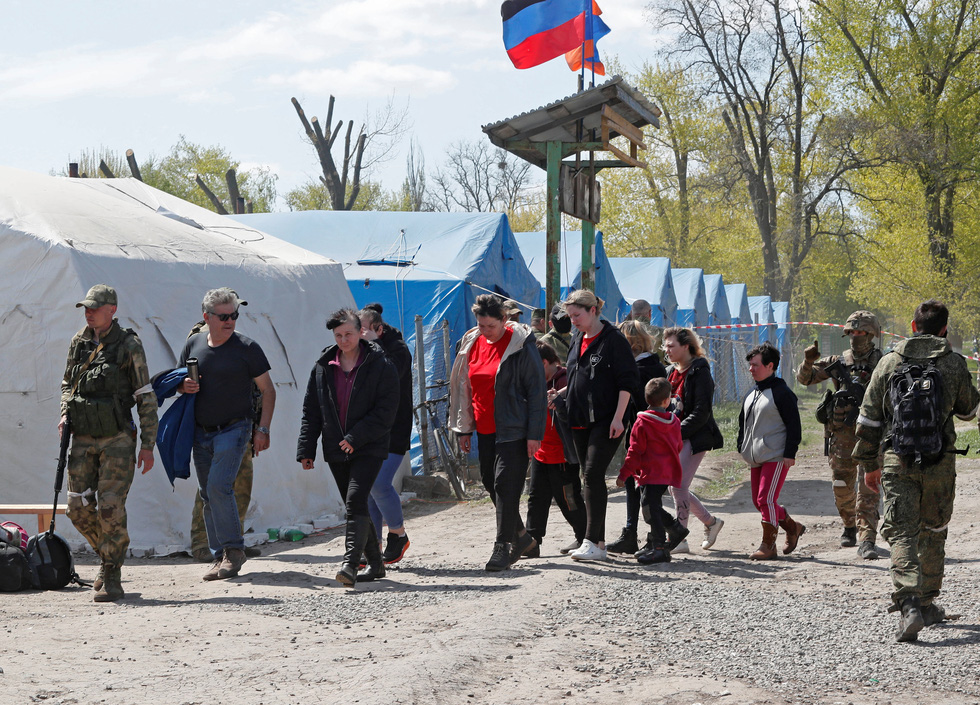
[(242, 486), (857, 504), (105, 377), (918, 495)]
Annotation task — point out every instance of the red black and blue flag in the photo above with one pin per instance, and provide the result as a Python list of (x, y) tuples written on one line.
[(536, 31)]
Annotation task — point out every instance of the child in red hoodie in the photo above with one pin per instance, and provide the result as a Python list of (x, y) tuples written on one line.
[(653, 458)]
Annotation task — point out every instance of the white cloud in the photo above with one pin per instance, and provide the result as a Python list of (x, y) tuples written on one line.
[(366, 79)]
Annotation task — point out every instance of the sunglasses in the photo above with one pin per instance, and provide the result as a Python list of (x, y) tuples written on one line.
[(225, 316)]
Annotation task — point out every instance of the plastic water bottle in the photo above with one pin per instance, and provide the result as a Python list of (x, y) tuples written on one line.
[(292, 535)]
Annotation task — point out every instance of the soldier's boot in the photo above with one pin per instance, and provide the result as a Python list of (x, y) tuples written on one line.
[(794, 530), (111, 589), (867, 551), (911, 622), (849, 537), (933, 613), (100, 578), (767, 549)]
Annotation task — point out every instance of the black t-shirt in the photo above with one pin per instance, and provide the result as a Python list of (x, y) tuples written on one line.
[(226, 374)]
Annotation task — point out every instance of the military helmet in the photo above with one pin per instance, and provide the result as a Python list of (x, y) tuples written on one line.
[(863, 320)]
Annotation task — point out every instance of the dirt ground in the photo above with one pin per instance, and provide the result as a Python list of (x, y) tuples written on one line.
[(441, 630)]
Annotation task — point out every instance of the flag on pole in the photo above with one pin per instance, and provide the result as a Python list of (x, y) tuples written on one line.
[(536, 31), (595, 29)]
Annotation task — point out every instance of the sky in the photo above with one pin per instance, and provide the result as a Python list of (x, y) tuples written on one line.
[(138, 75)]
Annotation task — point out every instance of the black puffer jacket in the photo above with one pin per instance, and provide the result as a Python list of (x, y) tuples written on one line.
[(370, 412), (595, 381), (650, 367), (697, 419), (393, 343)]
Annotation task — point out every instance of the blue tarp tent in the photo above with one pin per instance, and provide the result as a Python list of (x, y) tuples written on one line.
[(780, 313), (718, 340), (761, 309), (648, 278), (534, 248), (738, 303), (428, 264), (692, 305)]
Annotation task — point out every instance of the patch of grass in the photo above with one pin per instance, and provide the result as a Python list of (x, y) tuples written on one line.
[(731, 477), (726, 416), (969, 438)]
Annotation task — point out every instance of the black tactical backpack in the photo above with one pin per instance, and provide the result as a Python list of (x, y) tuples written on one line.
[(15, 571), (916, 393), (51, 559)]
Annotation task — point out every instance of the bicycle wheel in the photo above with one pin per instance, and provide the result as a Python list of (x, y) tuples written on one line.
[(450, 462)]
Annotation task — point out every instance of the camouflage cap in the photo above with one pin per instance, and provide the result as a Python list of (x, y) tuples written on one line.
[(538, 315), (511, 307), (862, 320), (99, 295)]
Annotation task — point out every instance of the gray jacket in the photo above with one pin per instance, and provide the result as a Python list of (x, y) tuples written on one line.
[(520, 397), (769, 423)]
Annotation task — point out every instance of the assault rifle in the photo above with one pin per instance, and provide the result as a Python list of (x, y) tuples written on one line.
[(850, 392), (59, 476)]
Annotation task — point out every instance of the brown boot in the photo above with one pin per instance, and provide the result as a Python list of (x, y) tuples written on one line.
[(100, 578), (767, 549), (111, 589), (794, 530), (231, 563)]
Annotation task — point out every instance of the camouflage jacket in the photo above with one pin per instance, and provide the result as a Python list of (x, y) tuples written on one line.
[(815, 372), (960, 398), (138, 391)]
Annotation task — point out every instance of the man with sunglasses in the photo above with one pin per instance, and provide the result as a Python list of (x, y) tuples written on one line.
[(228, 363)]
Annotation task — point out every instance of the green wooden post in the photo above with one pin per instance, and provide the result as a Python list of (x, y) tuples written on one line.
[(588, 266), (553, 219)]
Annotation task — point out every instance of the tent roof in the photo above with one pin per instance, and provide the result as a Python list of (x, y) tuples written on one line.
[(761, 306), (714, 292), (647, 278), (780, 313), (689, 287), (534, 248), (738, 303)]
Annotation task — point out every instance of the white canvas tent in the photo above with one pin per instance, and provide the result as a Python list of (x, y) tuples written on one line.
[(60, 236)]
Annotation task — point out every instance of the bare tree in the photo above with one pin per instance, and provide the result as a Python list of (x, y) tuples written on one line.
[(476, 177), (343, 184)]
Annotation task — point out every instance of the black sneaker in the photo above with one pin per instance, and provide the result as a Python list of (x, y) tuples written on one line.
[(849, 537), (395, 550), (500, 558), (252, 551), (523, 546), (648, 546), (626, 543), (867, 551)]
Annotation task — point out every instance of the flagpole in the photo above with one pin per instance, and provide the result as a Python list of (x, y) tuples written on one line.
[(590, 33)]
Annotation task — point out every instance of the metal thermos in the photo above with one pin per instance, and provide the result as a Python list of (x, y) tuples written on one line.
[(192, 368)]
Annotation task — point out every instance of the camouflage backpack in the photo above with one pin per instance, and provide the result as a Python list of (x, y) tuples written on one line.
[(916, 393)]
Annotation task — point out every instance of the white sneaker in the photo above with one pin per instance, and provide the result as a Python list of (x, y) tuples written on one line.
[(573, 546), (588, 551), (711, 532), (682, 547)]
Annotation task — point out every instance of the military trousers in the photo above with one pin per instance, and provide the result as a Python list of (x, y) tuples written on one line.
[(856, 503), (243, 497), (918, 507), (100, 473)]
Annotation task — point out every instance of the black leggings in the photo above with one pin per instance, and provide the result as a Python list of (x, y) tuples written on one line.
[(562, 483), (597, 448), (503, 469), (355, 478)]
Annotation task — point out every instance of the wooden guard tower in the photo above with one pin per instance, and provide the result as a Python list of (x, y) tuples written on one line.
[(585, 122)]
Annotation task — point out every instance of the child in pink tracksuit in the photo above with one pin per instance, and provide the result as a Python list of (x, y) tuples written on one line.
[(653, 458)]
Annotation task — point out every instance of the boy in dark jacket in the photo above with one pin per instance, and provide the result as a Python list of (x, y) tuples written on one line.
[(769, 434), (653, 459)]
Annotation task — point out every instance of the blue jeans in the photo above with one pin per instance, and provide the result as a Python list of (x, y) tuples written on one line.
[(384, 501), (217, 457)]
